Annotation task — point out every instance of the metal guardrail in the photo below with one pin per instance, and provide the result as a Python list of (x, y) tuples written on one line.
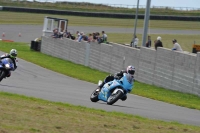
[(100, 14)]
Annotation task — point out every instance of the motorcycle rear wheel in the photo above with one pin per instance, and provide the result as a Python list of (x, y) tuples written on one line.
[(114, 97), (94, 96)]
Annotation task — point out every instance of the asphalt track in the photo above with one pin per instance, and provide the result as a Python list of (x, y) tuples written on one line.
[(32, 80), (30, 32)]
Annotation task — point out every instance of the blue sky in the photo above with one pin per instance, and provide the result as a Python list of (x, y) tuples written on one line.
[(170, 3)]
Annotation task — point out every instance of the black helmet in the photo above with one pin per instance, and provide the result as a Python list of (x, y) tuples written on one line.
[(174, 40)]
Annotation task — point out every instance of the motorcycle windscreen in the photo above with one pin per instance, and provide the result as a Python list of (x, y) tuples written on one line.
[(8, 61), (127, 81)]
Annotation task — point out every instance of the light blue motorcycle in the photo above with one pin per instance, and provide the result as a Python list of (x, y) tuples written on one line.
[(114, 90), (6, 65)]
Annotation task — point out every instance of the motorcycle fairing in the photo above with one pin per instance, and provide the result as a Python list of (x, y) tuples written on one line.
[(125, 82), (7, 61), (106, 90)]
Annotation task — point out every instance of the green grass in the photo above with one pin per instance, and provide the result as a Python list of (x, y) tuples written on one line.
[(27, 18), (89, 7), (21, 114), (92, 75)]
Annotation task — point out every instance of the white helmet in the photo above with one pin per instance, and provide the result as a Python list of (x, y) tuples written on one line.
[(13, 53), (131, 70), (159, 38)]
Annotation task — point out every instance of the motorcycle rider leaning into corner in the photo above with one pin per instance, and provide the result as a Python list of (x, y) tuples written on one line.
[(130, 70), (12, 55)]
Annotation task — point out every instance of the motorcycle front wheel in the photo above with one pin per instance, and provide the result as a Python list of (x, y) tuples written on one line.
[(2, 74), (114, 97), (94, 96)]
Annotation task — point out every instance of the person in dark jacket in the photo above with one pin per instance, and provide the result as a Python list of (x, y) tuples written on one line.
[(158, 43), (12, 55), (148, 43)]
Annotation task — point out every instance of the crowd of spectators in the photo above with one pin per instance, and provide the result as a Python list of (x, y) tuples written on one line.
[(96, 37), (65, 33), (92, 37), (81, 36), (157, 43)]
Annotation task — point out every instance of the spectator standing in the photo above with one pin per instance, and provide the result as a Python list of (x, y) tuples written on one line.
[(85, 37), (102, 39), (90, 38), (78, 34), (155, 42), (94, 37), (158, 42), (97, 36), (55, 33), (80, 37), (148, 43), (176, 47), (65, 33), (134, 42), (68, 35)]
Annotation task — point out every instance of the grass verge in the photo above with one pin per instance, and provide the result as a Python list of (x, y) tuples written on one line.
[(21, 114), (27, 18), (92, 75)]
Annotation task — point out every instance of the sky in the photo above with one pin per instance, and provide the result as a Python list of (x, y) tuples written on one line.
[(169, 3)]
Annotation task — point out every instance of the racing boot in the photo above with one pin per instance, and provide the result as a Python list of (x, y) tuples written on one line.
[(124, 98), (9, 74)]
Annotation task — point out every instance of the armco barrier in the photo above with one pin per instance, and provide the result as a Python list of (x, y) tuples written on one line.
[(165, 68), (99, 14)]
